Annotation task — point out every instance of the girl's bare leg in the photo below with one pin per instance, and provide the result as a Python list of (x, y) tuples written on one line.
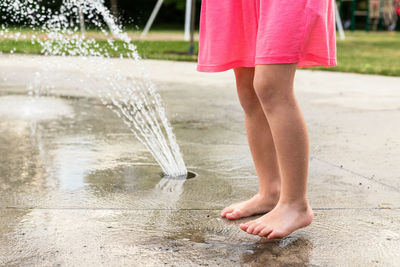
[(274, 87), (262, 149)]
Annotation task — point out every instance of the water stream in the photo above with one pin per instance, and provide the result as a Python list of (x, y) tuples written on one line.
[(136, 101)]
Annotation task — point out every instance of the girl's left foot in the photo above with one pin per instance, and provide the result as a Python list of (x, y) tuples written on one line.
[(281, 221)]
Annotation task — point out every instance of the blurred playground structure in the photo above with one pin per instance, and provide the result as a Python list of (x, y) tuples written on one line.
[(370, 14), (350, 14)]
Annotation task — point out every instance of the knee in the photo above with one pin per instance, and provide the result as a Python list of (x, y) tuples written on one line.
[(270, 93), (248, 99)]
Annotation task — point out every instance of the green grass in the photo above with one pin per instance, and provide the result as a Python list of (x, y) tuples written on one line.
[(168, 50), (370, 53), (20, 47)]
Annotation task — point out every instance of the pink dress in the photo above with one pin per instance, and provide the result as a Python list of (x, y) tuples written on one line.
[(245, 33)]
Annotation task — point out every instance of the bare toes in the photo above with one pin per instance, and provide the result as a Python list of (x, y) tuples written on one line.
[(265, 232), (244, 226), (258, 229), (226, 210), (251, 228), (234, 215)]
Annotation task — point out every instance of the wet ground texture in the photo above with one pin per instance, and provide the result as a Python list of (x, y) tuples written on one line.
[(77, 188)]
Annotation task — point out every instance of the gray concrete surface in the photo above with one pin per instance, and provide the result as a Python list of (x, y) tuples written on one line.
[(77, 189)]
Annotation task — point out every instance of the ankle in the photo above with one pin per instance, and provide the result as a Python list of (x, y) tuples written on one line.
[(270, 193), (300, 204)]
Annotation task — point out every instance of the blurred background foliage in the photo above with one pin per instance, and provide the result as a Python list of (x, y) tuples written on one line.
[(134, 13)]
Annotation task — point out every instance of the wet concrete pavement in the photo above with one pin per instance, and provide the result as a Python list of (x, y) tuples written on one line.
[(77, 189)]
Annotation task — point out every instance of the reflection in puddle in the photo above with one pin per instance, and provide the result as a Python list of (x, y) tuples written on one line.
[(33, 108), (78, 160), (171, 185), (290, 251), (73, 160)]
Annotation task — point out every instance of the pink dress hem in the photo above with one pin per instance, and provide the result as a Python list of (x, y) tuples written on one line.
[(309, 61)]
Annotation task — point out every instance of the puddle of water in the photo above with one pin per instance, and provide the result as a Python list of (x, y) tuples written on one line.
[(19, 107), (128, 212), (73, 161)]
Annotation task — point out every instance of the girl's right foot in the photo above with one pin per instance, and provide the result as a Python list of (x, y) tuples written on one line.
[(281, 221), (258, 204)]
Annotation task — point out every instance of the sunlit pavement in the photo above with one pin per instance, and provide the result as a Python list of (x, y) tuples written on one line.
[(77, 188)]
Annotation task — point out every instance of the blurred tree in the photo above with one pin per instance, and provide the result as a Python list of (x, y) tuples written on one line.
[(133, 13), (137, 12), (179, 4), (114, 8)]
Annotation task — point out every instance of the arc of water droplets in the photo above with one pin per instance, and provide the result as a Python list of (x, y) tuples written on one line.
[(140, 105), (152, 119)]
